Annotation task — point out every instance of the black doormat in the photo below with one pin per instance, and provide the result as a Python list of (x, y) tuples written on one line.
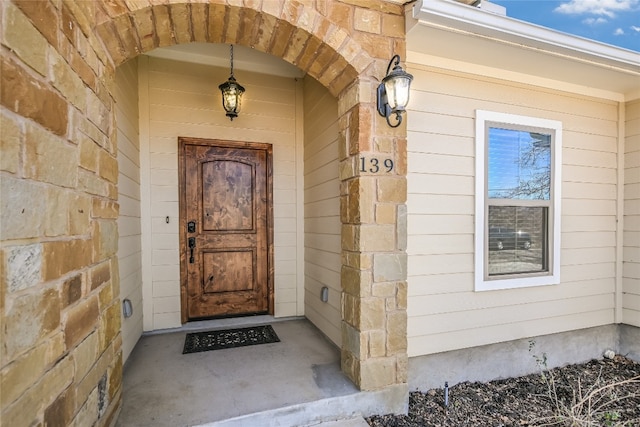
[(229, 338)]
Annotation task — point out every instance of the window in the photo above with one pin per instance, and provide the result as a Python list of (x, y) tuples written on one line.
[(518, 187)]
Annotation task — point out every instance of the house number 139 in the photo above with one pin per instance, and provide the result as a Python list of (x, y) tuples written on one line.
[(375, 165)]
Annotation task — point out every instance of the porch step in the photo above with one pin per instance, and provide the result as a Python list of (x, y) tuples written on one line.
[(343, 411)]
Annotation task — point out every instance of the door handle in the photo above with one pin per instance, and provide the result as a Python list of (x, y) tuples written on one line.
[(192, 245)]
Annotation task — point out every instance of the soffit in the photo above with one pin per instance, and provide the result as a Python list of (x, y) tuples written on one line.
[(458, 32), (215, 54)]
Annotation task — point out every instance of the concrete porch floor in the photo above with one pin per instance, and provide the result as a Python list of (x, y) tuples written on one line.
[(295, 382)]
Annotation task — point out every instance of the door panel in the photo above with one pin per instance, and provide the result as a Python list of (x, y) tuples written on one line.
[(228, 204), (229, 271), (226, 190)]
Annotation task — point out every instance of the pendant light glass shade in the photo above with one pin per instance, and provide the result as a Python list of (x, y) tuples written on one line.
[(231, 94), (397, 88)]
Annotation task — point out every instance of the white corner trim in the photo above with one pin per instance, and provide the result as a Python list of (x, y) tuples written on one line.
[(145, 193), (620, 215), (300, 219)]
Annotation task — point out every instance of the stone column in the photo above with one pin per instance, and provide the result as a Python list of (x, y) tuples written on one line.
[(60, 352), (373, 215)]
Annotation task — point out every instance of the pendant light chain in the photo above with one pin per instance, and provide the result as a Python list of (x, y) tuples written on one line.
[(231, 60)]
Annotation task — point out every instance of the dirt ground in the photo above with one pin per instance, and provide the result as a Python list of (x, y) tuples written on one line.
[(597, 393)]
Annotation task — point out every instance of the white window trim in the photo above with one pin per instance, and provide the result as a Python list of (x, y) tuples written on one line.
[(553, 278)]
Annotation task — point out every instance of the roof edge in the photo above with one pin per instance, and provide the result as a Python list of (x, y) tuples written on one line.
[(485, 23)]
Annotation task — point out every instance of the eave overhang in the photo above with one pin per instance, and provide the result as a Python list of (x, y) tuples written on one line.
[(455, 34)]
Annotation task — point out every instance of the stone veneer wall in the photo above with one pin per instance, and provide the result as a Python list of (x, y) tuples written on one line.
[(61, 357)]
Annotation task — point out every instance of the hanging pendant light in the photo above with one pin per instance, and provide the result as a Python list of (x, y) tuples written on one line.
[(231, 94)]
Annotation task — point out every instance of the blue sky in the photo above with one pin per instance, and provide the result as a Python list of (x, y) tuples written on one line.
[(615, 22)]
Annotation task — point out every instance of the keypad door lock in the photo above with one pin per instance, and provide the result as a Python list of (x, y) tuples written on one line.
[(191, 227)]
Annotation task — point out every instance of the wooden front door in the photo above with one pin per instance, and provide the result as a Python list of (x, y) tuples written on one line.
[(226, 232)]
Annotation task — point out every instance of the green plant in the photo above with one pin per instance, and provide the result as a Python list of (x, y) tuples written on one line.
[(610, 417)]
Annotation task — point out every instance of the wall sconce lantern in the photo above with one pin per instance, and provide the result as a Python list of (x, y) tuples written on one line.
[(393, 92), (231, 94)]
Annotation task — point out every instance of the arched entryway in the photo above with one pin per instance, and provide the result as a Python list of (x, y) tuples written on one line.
[(373, 273)]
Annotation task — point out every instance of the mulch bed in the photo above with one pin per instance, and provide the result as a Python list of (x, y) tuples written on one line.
[(531, 401)]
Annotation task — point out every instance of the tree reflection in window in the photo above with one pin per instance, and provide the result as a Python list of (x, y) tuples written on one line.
[(519, 165)]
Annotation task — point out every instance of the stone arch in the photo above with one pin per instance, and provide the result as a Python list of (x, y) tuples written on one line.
[(292, 31)]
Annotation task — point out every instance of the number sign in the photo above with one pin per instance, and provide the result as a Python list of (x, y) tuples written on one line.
[(376, 165)]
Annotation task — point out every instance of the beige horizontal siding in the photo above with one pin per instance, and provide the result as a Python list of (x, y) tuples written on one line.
[(480, 318), (441, 204), (584, 255), (472, 337), (129, 229), (322, 262), (445, 312), (588, 239), (457, 302), (581, 207), (440, 244), (439, 224), (581, 190), (440, 144), (631, 237), (435, 284), (488, 91)]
